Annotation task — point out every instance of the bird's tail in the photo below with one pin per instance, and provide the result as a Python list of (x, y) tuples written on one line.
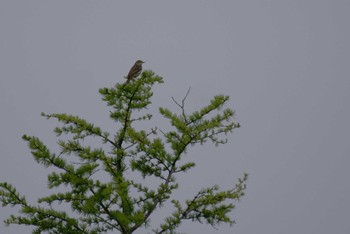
[(127, 80)]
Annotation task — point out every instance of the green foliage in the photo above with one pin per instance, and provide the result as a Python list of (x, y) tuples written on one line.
[(117, 202)]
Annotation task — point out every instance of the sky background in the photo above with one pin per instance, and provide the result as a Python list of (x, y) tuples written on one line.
[(284, 64)]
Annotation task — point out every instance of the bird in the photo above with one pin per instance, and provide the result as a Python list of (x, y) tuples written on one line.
[(135, 71)]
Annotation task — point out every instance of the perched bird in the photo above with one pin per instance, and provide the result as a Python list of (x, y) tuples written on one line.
[(135, 71)]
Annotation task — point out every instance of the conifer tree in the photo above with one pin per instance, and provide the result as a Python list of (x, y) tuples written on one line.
[(95, 181)]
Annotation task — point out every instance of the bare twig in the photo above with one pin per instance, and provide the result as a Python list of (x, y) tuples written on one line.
[(182, 106)]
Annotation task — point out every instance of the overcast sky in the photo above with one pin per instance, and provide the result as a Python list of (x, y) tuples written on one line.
[(284, 64)]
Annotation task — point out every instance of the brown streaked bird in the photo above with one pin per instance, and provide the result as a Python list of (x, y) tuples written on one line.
[(135, 71)]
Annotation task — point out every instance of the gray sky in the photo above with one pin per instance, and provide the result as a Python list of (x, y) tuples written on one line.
[(285, 65)]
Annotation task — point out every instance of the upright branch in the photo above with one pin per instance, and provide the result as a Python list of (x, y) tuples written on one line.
[(182, 105)]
